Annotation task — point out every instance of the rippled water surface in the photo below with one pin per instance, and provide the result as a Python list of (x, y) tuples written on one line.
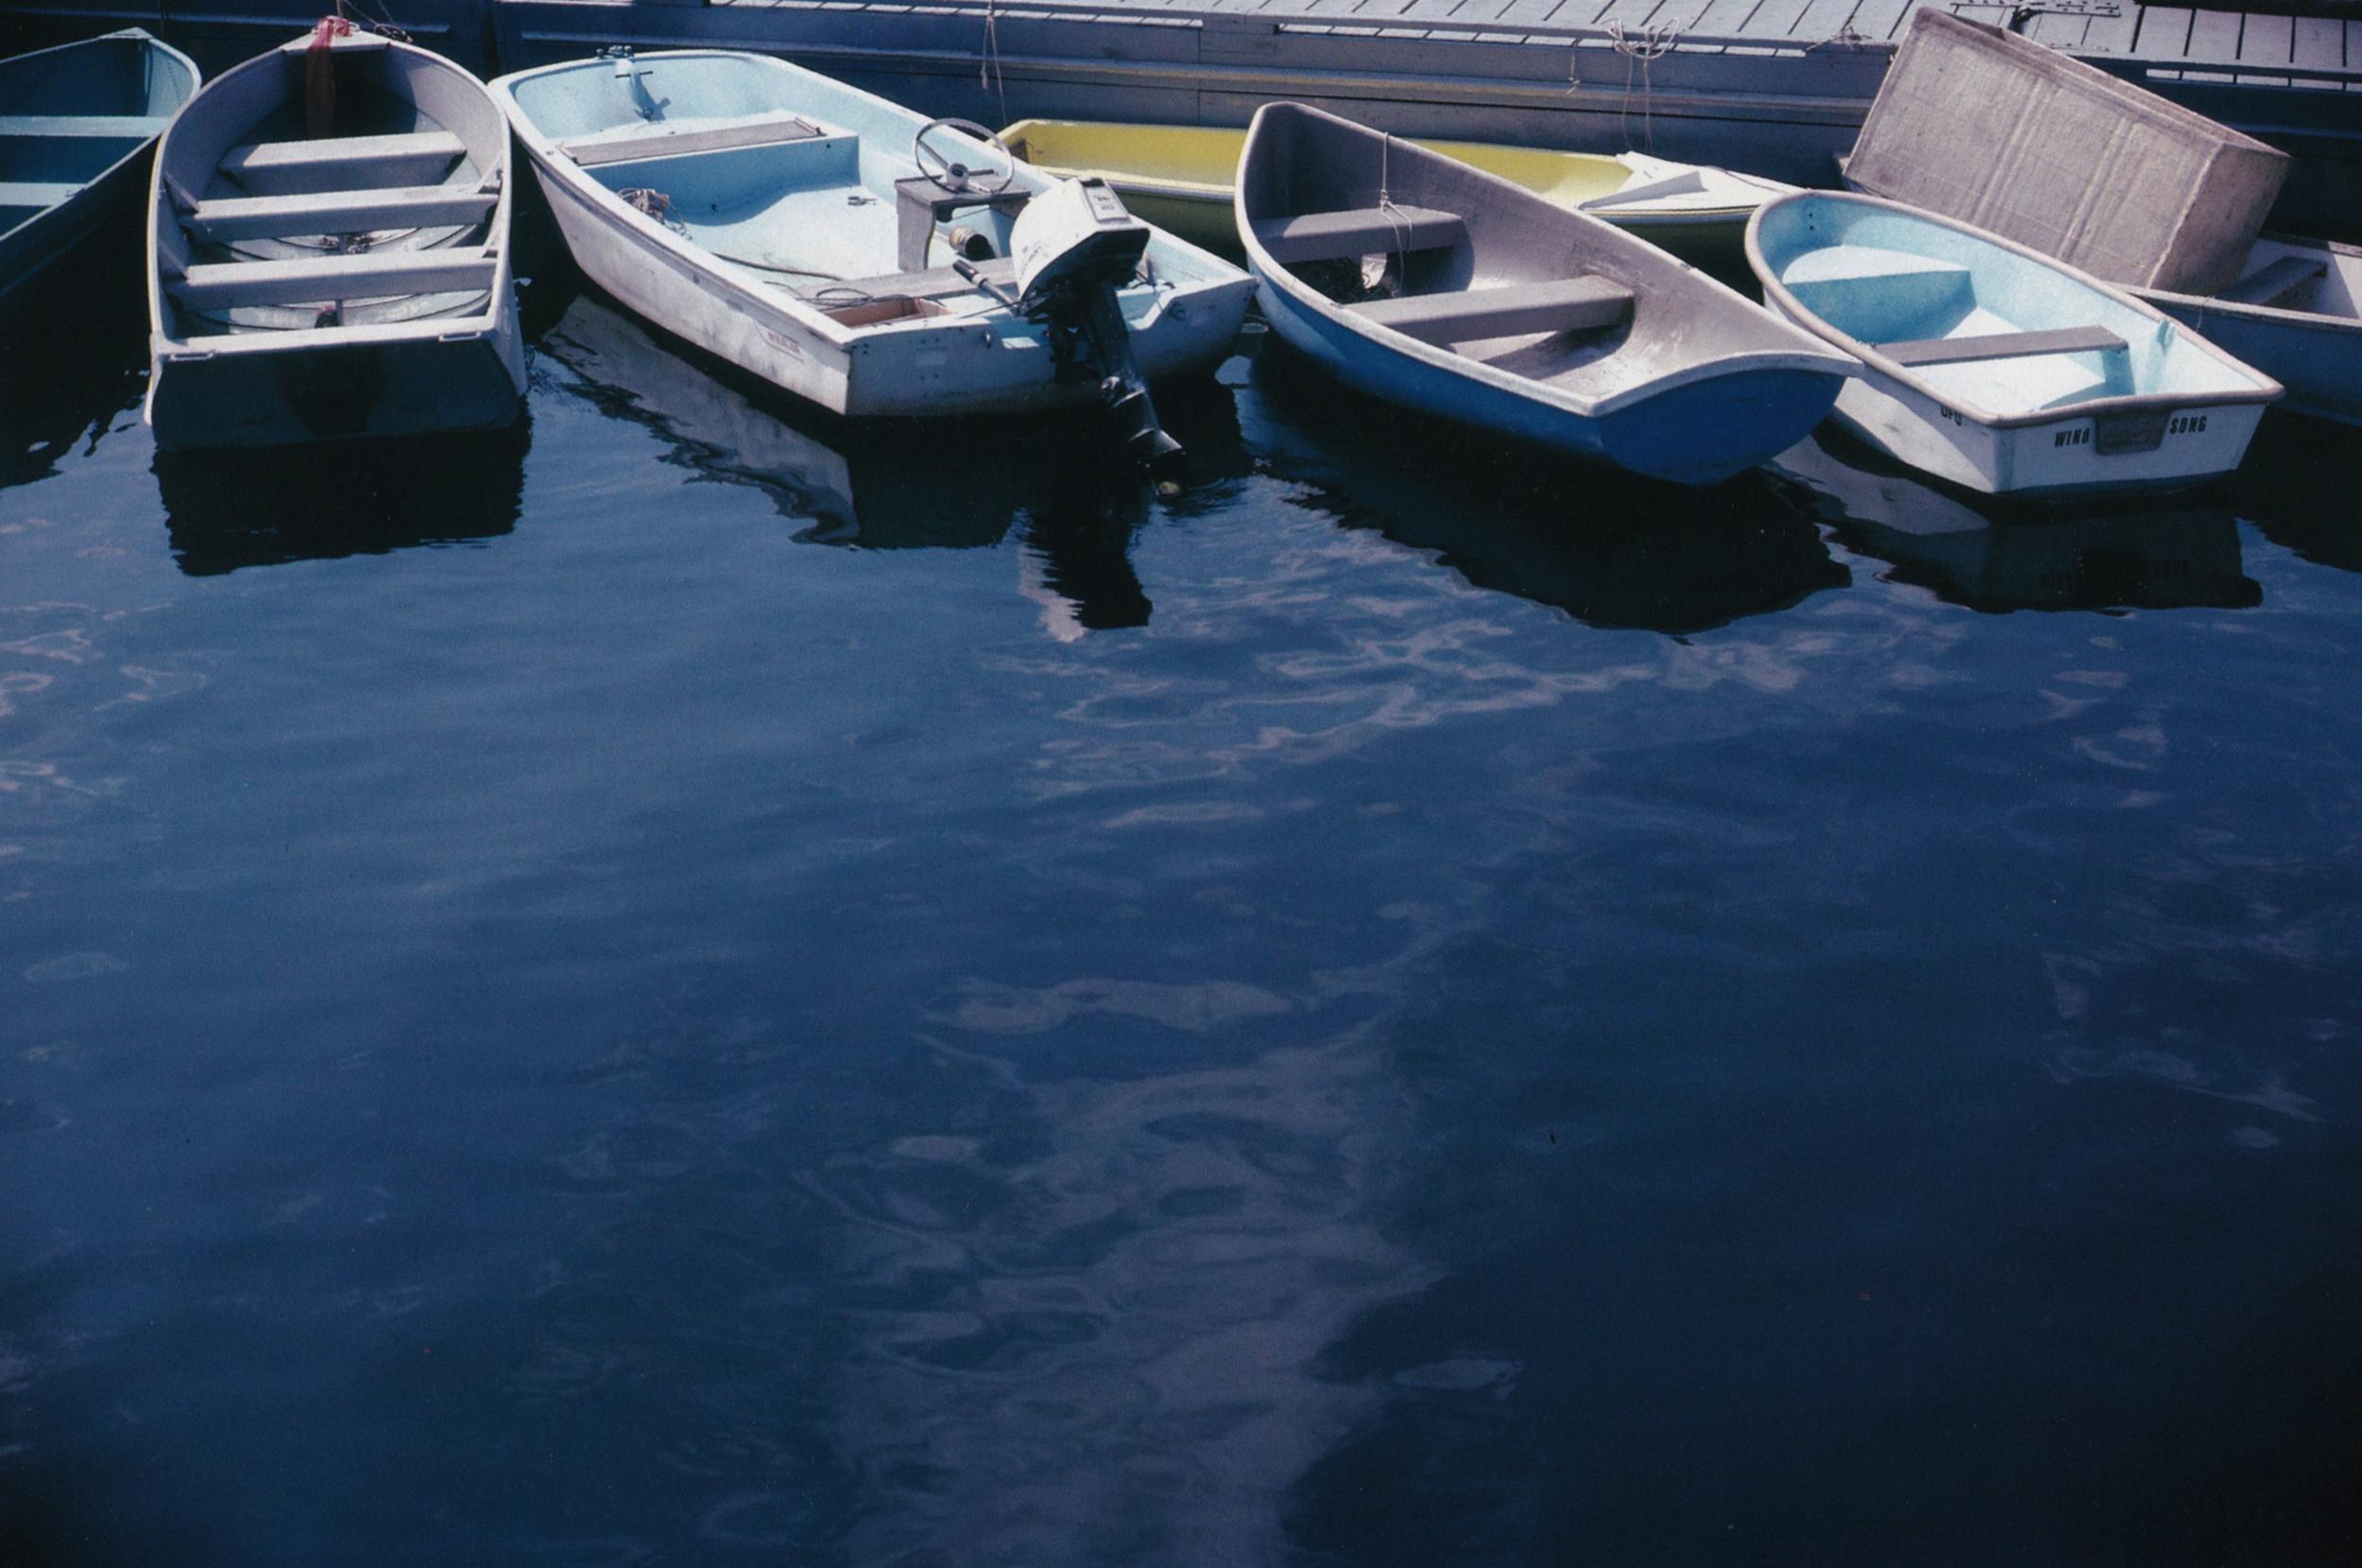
[(684, 988)]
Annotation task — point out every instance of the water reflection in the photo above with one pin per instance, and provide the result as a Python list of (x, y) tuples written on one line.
[(2163, 555), (75, 357), (2299, 486), (959, 486), (1610, 549), (239, 508)]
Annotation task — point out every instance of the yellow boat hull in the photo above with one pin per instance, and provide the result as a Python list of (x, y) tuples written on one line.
[(1179, 179)]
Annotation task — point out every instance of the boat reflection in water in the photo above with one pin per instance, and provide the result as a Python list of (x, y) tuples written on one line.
[(2001, 557), (73, 358), (1610, 549), (2298, 489), (250, 506), (938, 484)]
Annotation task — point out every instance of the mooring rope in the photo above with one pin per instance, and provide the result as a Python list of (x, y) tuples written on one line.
[(988, 59), (1640, 52)]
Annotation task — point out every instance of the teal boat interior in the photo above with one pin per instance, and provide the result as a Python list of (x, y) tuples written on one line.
[(794, 176), (1978, 323), (69, 115)]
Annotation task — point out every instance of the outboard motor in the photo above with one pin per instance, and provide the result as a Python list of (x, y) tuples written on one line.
[(1074, 245)]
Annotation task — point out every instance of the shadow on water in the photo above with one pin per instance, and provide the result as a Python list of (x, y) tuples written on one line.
[(76, 356), (2300, 486), (2159, 553), (959, 485), (263, 507), (1610, 549)]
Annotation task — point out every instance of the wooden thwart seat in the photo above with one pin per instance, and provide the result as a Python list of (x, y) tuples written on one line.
[(634, 142), (372, 275), (343, 163), (1560, 305), (338, 212), (2269, 285), (1961, 350), (1362, 231), (27, 193), (137, 126)]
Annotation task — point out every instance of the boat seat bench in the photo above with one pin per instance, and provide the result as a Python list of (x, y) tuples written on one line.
[(1559, 305), (634, 144), (338, 212), (343, 163), (372, 275), (20, 194), (2269, 285), (1962, 350), (1361, 231), (138, 126)]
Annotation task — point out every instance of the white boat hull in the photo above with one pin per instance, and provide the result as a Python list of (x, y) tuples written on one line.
[(2065, 456), (992, 361)]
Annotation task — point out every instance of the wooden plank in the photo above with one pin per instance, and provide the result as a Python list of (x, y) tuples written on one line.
[(2272, 284), (2215, 38), (1584, 303), (342, 162), (27, 194), (137, 126), (636, 143), (2059, 29), (378, 274), (1776, 19), (1879, 19), (2114, 35), (1963, 351), (1334, 236), (1725, 18), (1824, 20), (337, 212), (2165, 33), (2319, 42), (2266, 40)]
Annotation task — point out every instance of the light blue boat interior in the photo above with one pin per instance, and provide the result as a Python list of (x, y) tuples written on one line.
[(1879, 276), (802, 214), (71, 114)]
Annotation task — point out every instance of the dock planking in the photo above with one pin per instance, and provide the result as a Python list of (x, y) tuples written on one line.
[(1774, 86)]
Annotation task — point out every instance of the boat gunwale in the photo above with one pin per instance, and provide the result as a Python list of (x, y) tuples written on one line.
[(2265, 390), (1809, 357)]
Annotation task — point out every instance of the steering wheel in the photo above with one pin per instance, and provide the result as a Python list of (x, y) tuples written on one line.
[(957, 178)]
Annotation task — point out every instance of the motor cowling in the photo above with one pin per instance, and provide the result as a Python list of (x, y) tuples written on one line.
[(1073, 246)]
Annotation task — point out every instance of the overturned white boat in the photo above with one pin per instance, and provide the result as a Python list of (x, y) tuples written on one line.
[(329, 251)]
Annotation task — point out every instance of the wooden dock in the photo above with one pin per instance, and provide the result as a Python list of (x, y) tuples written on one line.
[(1777, 87)]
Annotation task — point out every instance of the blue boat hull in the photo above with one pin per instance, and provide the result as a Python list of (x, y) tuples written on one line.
[(1756, 414)]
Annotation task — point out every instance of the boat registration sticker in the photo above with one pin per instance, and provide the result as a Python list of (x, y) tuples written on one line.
[(2113, 434)]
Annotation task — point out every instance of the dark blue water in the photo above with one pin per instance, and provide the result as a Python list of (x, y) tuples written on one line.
[(679, 988)]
